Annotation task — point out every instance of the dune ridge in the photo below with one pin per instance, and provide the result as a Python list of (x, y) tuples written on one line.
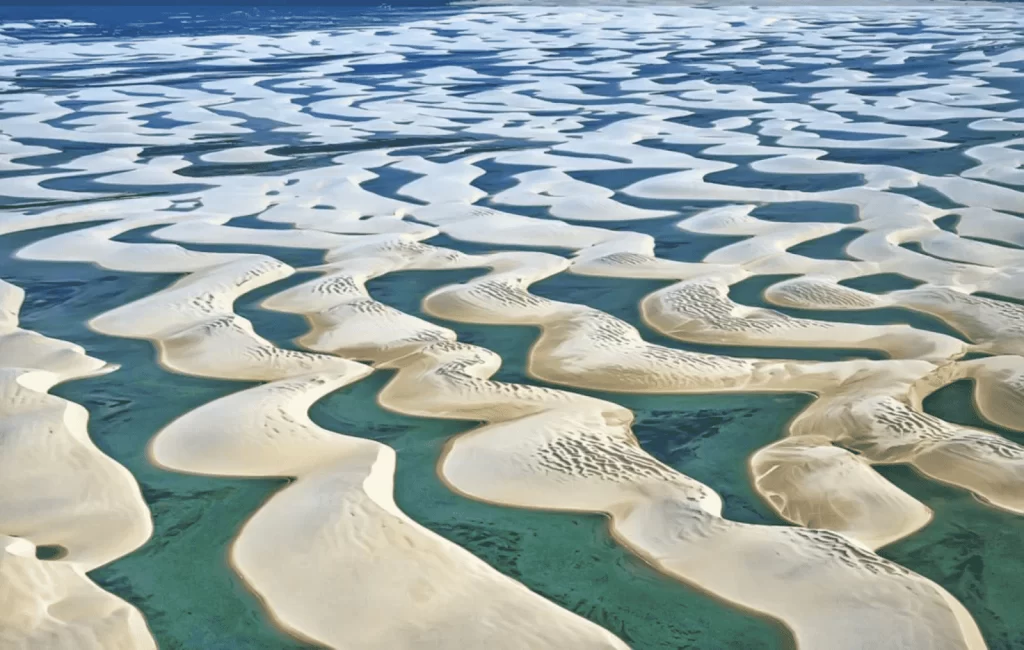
[(47, 462), (339, 508), (545, 448), (337, 524), (699, 145), (863, 405), (197, 332)]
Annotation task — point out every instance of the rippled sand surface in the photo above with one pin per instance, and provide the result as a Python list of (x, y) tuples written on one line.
[(487, 326)]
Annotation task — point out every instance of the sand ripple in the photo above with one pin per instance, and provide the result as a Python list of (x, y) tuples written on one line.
[(47, 462), (634, 142)]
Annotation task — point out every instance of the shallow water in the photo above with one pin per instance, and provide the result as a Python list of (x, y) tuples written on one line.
[(180, 579), (970, 549), (308, 94), (569, 558)]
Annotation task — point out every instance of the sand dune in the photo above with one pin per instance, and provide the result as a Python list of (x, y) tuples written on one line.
[(54, 605), (701, 311), (808, 480), (540, 443), (341, 498), (582, 457), (857, 399), (197, 332), (703, 146), (332, 555), (998, 387), (994, 326), (876, 414), (47, 462)]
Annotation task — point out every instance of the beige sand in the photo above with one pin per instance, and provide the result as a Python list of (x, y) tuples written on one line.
[(542, 443), (340, 509), (47, 464), (332, 555)]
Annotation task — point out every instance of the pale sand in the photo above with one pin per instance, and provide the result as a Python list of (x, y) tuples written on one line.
[(559, 451), (47, 463), (563, 450), (563, 437), (332, 555), (857, 399), (211, 232), (994, 326), (700, 311), (196, 331), (52, 605), (578, 347), (345, 320), (808, 480), (96, 246), (264, 432), (999, 389), (877, 413)]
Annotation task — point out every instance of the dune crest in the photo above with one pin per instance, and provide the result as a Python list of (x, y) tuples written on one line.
[(856, 163), (545, 448), (340, 508), (328, 551), (47, 462)]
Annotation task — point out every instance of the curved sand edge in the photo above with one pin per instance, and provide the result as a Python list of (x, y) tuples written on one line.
[(332, 555), (344, 484), (551, 450), (511, 273), (47, 462), (577, 441)]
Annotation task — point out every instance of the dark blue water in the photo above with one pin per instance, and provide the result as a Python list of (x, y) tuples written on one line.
[(124, 19), (180, 579)]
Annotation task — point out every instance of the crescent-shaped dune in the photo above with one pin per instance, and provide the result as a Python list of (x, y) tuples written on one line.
[(540, 443), (845, 159), (586, 348), (47, 462), (994, 326), (197, 332), (584, 458), (332, 555), (341, 498)]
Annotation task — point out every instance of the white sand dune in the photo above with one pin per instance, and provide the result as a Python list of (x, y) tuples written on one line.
[(590, 128), (994, 326), (876, 412), (342, 496), (857, 399), (206, 232), (998, 387), (700, 311), (345, 320), (547, 449), (47, 462), (96, 245), (197, 332), (332, 555), (797, 475), (538, 436), (53, 604), (580, 347)]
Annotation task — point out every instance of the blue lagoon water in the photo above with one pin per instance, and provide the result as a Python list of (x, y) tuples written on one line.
[(224, 113)]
